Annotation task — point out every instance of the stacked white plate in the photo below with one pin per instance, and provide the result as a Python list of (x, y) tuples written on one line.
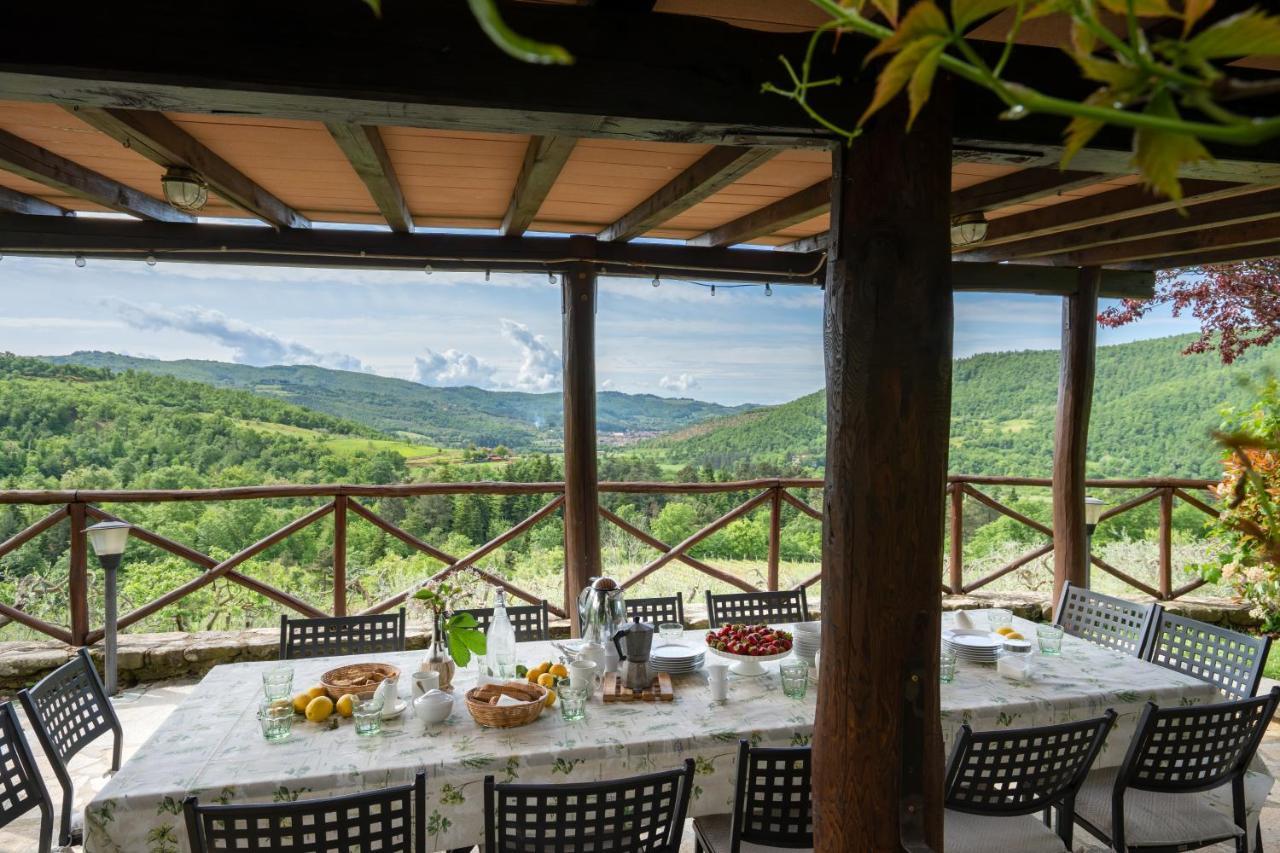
[(676, 659), (807, 639), (973, 645)]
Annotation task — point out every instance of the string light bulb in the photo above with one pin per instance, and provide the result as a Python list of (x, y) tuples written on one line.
[(768, 289), (80, 261), (657, 280), (486, 275), (151, 260), (713, 290), (551, 277), (427, 269)]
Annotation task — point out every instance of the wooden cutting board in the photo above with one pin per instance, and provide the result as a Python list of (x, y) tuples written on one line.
[(616, 690)]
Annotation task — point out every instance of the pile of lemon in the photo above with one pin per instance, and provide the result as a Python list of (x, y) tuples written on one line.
[(1009, 634), (317, 707), (549, 675)]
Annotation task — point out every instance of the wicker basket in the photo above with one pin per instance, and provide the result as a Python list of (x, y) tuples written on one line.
[(361, 679), (482, 703)]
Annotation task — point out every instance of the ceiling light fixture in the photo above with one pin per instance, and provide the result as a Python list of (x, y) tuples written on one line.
[(968, 228), (184, 189)]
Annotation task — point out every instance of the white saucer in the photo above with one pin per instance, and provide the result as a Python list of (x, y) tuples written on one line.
[(395, 710)]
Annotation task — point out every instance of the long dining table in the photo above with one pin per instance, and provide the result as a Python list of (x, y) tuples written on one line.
[(211, 746)]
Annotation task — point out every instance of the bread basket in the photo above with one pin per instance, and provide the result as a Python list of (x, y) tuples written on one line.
[(482, 703), (361, 679)]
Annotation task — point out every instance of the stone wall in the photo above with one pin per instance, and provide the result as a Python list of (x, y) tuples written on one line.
[(158, 657)]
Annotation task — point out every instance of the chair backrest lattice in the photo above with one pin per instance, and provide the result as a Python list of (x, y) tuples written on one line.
[(1114, 623), (655, 611), (1183, 750), (1022, 771), (1231, 661), (341, 635), (641, 814), (21, 786), (789, 605), (773, 804), (391, 820), (532, 622)]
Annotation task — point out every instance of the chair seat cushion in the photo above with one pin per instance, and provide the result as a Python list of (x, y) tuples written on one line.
[(1153, 819), (716, 831), (975, 833)]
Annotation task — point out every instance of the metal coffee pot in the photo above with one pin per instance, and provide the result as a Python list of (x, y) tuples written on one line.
[(634, 642)]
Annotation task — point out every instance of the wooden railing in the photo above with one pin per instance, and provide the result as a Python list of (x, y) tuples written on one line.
[(81, 508)]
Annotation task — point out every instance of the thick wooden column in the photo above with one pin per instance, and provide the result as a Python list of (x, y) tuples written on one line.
[(581, 500), (1071, 432), (877, 741)]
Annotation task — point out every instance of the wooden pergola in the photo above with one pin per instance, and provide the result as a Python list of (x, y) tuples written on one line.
[(299, 115)]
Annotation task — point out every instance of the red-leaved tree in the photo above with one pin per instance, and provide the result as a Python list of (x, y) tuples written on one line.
[(1238, 305)]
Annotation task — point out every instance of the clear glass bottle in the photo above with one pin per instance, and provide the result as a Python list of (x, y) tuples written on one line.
[(501, 640)]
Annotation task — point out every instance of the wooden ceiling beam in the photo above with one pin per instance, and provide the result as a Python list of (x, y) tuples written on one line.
[(34, 163), (1233, 254), (12, 201), (1018, 187), (1204, 239), (364, 149), (1208, 215), (1052, 281), (715, 170), (1103, 207), (156, 137), (792, 210), (544, 159)]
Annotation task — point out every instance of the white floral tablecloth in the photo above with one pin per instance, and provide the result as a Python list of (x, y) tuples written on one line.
[(211, 746)]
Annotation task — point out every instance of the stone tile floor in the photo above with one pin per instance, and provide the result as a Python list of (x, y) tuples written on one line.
[(143, 708)]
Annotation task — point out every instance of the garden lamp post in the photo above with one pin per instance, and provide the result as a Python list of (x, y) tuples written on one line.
[(108, 539), (1092, 515)]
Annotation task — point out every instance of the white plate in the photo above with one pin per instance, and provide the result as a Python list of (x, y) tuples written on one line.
[(675, 652), (972, 639), (809, 629)]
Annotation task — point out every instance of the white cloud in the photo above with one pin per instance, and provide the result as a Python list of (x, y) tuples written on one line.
[(540, 365), (248, 344), (681, 383), (606, 385), (452, 368)]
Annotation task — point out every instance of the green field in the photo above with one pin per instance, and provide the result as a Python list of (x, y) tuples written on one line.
[(415, 454)]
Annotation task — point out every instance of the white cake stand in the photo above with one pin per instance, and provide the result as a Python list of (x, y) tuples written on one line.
[(748, 665)]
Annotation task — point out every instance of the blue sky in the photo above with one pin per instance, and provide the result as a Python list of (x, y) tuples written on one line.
[(448, 328)]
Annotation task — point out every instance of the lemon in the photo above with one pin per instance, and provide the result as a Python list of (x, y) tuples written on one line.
[(1014, 635), (317, 691), (346, 704), (559, 671), (300, 702), (551, 698), (547, 680), (319, 709), (1005, 631)]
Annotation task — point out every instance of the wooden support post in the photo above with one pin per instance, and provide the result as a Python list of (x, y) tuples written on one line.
[(78, 580), (957, 538), (1071, 432), (581, 500), (1166, 544), (775, 537), (340, 555), (888, 328)]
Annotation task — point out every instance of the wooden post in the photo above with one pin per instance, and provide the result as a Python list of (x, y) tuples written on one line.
[(888, 325), (340, 555), (1071, 432), (78, 580), (581, 500), (957, 538), (1166, 544), (775, 537)]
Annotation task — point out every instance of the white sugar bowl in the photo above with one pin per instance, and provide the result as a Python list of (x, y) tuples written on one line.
[(433, 707)]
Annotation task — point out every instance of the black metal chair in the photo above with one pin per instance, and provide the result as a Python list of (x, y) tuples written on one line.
[(341, 635), (997, 780), (787, 605), (21, 785), (1114, 623), (655, 611), (531, 621), (1229, 660), (392, 820), (772, 804), (1159, 799), (639, 814), (69, 709)]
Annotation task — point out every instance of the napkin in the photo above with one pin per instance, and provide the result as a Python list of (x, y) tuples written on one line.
[(504, 699), (963, 620)]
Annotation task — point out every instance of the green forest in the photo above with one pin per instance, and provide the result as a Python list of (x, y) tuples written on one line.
[(66, 425)]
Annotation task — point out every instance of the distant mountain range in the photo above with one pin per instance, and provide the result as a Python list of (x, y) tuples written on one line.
[(452, 417)]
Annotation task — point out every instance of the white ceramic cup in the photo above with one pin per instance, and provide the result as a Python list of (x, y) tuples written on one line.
[(718, 678), (584, 675), (424, 682)]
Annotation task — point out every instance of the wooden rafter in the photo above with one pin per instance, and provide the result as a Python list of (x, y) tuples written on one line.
[(12, 201), (364, 149), (544, 159), (715, 170), (1249, 252), (802, 206), (1233, 242), (156, 137), (1018, 187), (34, 163)]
